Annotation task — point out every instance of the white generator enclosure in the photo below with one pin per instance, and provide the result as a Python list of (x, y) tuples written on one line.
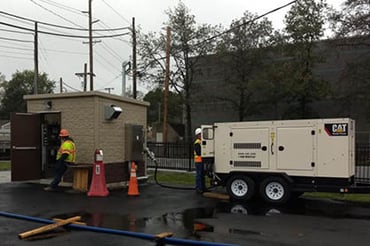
[(305, 154)]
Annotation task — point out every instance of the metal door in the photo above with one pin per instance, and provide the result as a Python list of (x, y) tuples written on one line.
[(250, 148), (296, 149), (25, 146)]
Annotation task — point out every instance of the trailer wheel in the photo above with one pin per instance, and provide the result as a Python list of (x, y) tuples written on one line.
[(275, 190), (240, 187)]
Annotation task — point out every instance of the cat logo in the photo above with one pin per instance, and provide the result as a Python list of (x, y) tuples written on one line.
[(340, 129)]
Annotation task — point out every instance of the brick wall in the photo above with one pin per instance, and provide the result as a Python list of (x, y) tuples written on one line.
[(82, 114)]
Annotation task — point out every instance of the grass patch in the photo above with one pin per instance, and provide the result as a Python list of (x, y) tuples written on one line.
[(167, 177), (341, 197), (4, 165)]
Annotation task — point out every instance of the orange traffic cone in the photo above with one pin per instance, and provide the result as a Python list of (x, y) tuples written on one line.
[(133, 189)]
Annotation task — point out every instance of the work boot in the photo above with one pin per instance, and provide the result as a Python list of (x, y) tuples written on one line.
[(49, 189), (199, 191)]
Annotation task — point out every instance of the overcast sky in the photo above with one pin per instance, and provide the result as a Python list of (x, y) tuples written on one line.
[(62, 57)]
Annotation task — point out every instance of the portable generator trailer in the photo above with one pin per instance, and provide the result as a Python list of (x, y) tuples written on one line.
[(281, 159)]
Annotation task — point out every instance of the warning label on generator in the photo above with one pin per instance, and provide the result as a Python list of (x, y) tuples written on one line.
[(340, 129)]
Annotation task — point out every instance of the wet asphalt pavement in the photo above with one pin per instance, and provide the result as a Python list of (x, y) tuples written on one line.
[(157, 209)]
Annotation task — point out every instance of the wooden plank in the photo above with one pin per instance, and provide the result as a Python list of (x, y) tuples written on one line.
[(46, 235), (220, 196), (48, 227), (163, 235), (75, 222)]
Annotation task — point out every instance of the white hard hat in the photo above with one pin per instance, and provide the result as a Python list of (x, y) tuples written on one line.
[(198, 131)]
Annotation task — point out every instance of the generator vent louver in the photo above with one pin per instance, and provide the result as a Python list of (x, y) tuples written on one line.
[(247, 145), (247, 164)]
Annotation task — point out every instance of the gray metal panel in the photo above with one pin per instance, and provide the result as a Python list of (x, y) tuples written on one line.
[(134, 142)]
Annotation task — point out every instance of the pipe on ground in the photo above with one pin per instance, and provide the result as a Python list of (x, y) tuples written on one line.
[(168, 240)]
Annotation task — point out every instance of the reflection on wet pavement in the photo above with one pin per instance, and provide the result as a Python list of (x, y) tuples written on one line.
[(188, 222)]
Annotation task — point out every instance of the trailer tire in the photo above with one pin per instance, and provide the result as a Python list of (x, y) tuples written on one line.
[(240, 187), (275, 190)]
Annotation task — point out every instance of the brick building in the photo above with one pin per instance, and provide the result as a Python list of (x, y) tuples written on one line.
[(95, 120)]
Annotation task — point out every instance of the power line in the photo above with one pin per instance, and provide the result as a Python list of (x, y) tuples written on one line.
[(64, 35), (112, 52), (245, 23), (15, 48), (110, 82), (14, 52), (16, 40), (59, 26), (56, 14), (12, 31), (66, 51), (111, 65), (70, 87), (62, 6), (235, 27), (115, 11), (17, 57)]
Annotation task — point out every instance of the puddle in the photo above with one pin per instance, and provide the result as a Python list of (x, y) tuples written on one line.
[(187, 223)]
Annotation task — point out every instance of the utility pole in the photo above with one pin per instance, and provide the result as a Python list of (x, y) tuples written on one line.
[(124, 64), (166, 85), (133, 58), (91, 49), (36, 61), (109, 89), (61, 84), (84, 76)]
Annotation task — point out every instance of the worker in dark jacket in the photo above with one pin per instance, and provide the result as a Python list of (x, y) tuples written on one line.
[(199, 168), (66, 156)]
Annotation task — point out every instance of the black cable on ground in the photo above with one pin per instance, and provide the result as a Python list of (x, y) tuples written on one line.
[(151, 156)]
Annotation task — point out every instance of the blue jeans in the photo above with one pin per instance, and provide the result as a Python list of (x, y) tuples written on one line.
[(60, 168), (199, 176)]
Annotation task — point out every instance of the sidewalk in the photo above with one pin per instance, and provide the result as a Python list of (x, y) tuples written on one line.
[(5, 176)]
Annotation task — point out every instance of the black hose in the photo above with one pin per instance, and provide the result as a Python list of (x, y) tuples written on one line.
[(163, 185), (151, 156)]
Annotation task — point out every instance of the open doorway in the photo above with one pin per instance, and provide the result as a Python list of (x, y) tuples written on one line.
[(34, 144), (50, 127)]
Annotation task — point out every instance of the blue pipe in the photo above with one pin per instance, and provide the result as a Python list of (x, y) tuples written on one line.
[(169, 240)]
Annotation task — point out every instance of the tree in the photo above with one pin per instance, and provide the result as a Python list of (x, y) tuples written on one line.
[(352, 20), (304, 28), (22, 84), (155, 114), (187, 40), (242, 51), (273, 86), (352, 30)]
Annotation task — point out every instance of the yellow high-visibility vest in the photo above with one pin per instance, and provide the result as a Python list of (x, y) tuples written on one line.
[(67, 147), (197, 158)]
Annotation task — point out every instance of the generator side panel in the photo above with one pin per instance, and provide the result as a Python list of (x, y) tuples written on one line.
[(336, 148), (242, 147), (296, 149)]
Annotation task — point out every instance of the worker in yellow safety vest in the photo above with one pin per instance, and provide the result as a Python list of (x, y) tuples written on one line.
[(66, 156), (199, 168)]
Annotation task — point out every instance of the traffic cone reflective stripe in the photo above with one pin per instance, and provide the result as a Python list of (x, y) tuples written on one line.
[(133, 189)]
